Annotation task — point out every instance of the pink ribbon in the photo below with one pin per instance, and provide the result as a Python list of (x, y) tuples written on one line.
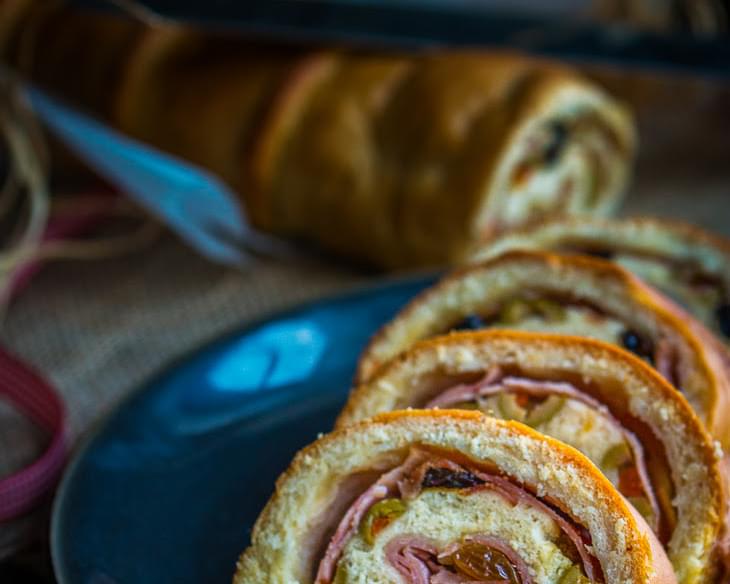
[(34, 397)]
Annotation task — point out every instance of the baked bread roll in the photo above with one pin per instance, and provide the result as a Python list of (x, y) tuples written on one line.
[(603, 401), (394, 159), (543, 292), (688, 264), (409, 160), (447, 496)]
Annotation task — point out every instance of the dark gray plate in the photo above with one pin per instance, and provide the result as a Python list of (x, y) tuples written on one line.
[(168, 487)]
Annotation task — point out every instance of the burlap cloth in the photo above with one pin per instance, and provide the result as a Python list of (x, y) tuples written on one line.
[(98, 329)]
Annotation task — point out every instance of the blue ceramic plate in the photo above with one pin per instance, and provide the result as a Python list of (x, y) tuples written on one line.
[(169, 486)]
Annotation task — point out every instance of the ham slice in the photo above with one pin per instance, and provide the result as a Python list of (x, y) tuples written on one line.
[(413, 556), (386, 485), (491, 384), (465, 392)]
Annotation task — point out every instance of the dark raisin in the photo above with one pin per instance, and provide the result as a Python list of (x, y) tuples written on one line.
[(450, 479), (556, 142), (722, 313), (631, 341), (600, 253), (481, 563), (637, 344), (471, 322)]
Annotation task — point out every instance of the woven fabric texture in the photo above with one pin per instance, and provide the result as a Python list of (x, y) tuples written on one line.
[(98, 329)]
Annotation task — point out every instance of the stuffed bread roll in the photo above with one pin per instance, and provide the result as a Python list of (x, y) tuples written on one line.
[(388, 158), (447, 496), (542, 292), (688, 264), (602, 400), (373, 155)]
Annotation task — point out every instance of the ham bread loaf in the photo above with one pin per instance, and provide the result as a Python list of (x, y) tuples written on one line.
[(600, 399), (447, 496), (578, 295)]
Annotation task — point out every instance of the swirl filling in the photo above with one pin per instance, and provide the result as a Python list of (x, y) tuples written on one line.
[(386, 517), (561, 410)]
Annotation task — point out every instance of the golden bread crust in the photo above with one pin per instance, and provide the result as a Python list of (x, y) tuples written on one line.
[(292, 97)]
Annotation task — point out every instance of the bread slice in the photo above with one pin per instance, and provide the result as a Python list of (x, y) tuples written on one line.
[(688, 264), (586, 297), (673, 440), (322, 481)]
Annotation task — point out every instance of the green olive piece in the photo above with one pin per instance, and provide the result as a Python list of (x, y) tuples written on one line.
[(509, 408), (546, 411), (340, 575), (550, 310), (514, 311), (574, 575), (617, 456), (379, 516), (642, 505)]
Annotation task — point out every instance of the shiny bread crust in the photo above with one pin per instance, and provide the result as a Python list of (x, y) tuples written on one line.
[(674, 238), (626, 549), (295, 91), (704, 377), (693, 457), (382, 198)]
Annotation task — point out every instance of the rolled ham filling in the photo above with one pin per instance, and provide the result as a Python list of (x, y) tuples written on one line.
[(416, 558), (494, 383)]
